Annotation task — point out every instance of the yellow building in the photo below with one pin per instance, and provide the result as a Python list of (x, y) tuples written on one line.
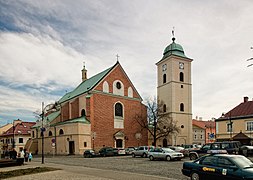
[(175, 90), (237, 124)]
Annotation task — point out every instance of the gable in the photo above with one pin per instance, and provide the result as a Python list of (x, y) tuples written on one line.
[(117, 74)]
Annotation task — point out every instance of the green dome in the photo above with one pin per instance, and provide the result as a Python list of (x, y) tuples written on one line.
[(175, 49)]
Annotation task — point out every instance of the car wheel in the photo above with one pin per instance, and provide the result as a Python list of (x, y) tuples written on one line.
[(133, 155), (193, 156), (151, 158), (168, 158), (144, 155), (245, 153), (194, 176)]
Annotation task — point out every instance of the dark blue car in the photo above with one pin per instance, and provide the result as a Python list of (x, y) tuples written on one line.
[(219, 166)]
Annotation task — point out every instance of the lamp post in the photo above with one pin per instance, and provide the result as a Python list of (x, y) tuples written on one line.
[(45, 109)]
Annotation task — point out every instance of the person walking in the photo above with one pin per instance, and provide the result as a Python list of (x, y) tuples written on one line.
[(22, 156), (30, 157)]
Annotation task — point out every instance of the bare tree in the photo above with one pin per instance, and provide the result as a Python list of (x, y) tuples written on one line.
[(158, 122)]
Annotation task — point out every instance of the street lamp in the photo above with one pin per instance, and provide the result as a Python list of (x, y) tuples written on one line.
[(45, 110)]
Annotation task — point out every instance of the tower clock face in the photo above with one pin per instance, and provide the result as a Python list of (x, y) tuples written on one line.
[(164, 67), (181, 65)]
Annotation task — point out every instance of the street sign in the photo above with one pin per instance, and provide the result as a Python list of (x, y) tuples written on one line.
[(53, 144), (53, 140)]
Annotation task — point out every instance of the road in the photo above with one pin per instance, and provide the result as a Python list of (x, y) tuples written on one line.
[(123, 164)]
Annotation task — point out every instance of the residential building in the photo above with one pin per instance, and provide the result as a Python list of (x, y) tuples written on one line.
[(20, 131), (174, 89), (99, 112), (236, 124)]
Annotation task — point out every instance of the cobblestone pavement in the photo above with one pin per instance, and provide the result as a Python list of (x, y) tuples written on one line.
[(171, 169)]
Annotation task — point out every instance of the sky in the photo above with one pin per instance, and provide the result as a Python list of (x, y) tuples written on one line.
[(43, 45)]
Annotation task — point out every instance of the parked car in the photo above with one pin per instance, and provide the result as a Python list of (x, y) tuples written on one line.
[(232, 147), (89, 153), (142, 151), (106, 151), (180, 149), (246, 150), (219, 166), (129, 150), (119, 151), (165, 154)]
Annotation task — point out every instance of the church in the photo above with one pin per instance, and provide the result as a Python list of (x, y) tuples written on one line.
[(99, 112)]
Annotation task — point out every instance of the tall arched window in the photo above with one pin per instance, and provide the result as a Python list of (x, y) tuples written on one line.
[(181, 77), (61, 132), (50, 133), (164, 78), (182, 107), (164, 108), (118, 110), (83, 112)]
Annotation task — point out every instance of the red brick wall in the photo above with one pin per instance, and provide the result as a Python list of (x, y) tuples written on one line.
[(103, 122), (65, 112), (117, 74), (75, 108)]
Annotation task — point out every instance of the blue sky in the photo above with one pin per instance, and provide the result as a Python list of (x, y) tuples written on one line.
[(43, 45)]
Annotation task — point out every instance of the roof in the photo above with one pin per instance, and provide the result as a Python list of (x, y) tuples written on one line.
[(174, 49), (23, 128), (199, 124), (81, 119), (86, 85), (243, 110)]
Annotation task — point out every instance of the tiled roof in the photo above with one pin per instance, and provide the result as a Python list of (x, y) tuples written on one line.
[(244, 109), (199, 124), (86, 85), (23, 128), (75, 120)]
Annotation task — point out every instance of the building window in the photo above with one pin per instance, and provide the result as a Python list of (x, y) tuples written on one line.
[(20, 140), (33, 134), (164, 108), (50, 133), (106, 87), (83, 112), (182, 86), (201, 136), (85, 144), (118, 85), (61, 132), (182, 107), (181, 76), (118, 110), (229, 127), (195, 136), (130, 92), (249, 126), (164, 78)]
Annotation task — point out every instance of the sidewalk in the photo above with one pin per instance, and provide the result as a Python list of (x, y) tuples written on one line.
[(77, 172)]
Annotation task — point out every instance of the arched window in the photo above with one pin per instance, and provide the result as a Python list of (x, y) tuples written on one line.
[(118, 110), (164, 108), (182, 107), (106, 87), (83, 112), (61, 132), (164, 78), (50, 133), (181, 77)]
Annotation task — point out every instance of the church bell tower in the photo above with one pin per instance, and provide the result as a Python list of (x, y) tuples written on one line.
[(175, 90)]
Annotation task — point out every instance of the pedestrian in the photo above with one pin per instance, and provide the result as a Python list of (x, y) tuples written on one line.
[(30, 157), (26, 155), (14, 154), (22, 156)]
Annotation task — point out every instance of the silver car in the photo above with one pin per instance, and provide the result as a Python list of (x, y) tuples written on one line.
[(165, 154)]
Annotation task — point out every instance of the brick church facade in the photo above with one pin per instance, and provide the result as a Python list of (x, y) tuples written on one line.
[(99, 112)]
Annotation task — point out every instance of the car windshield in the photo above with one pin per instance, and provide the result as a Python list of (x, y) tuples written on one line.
[(168, 150), (243, 162)]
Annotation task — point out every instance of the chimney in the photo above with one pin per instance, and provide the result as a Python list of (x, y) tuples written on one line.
[(84, 73), (245, 99)]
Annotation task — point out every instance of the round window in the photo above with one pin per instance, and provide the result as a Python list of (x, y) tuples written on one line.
[(118, 85)]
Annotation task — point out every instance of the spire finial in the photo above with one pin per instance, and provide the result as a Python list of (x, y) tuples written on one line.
[(84, 64), (117, 56), (173, 34)]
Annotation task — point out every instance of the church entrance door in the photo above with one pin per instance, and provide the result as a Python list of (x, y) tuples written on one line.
[(119, 143), (165, 143), (71, 147)]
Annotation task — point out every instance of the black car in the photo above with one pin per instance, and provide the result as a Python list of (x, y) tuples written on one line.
[(219, 166), (106, 151), (89, 153), (232, 147)]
